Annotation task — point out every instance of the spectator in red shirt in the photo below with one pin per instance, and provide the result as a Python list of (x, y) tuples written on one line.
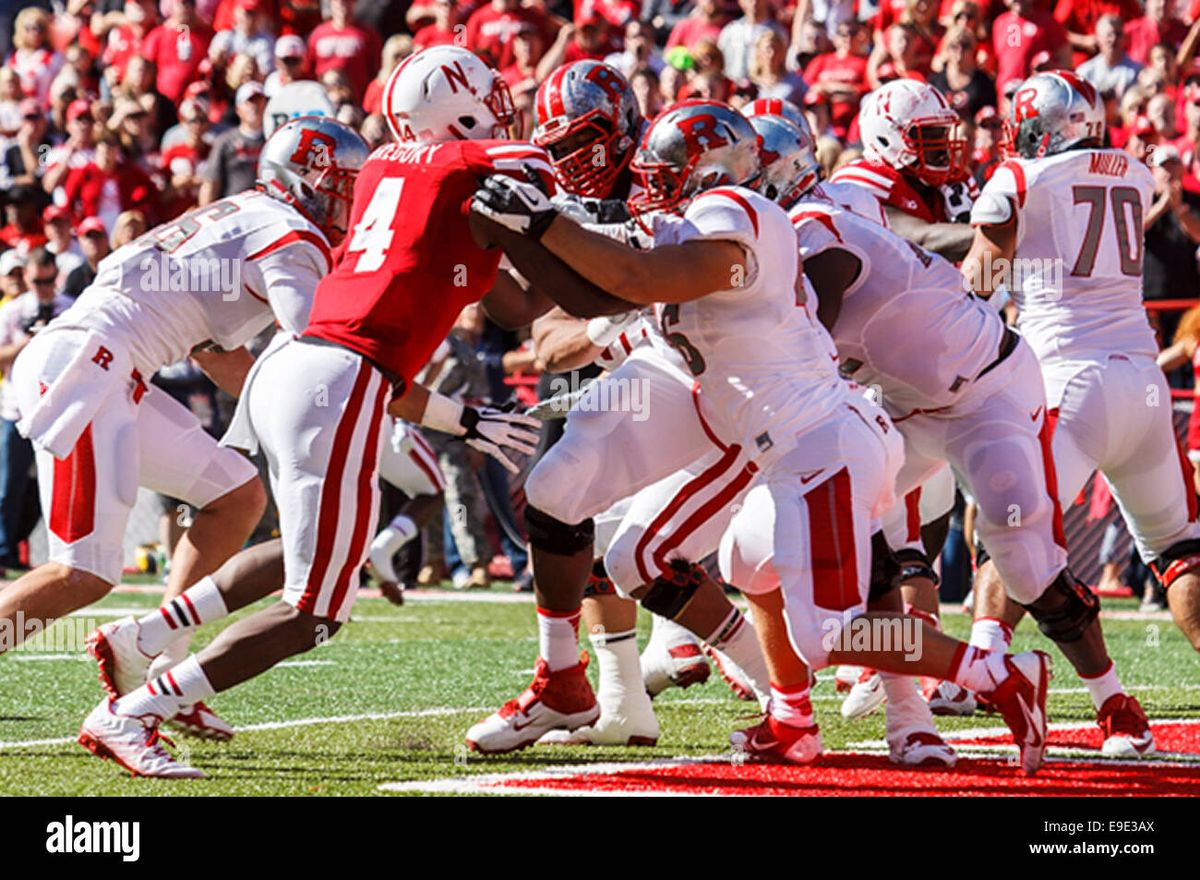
[(125, 40), (181, 162), (840, 76), (1080, 17), (902, 61), (23, 230), (1187, 142), (588, 39), (177, 48), (1156, 26), (339, 44), (1021, 34), (108, 185), (396, 49), (521, 75), (705, 22), (34, 59), (490, 29), (965, 14), (925, 34), (445, 29)]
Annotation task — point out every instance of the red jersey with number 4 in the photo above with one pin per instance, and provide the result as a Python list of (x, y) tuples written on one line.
[(409, 264)]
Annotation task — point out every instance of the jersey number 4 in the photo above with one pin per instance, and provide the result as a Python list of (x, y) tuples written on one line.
[(373, 233), (1129, 241)]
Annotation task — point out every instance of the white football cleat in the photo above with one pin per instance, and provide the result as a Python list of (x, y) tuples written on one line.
[(920, 747), (734, 675), (200, 721), (560, 699), (673, 660), (1021, 701), (133, 742), (949, 698), (1126, 730), (614, 728), (865, 697), (122, 664)]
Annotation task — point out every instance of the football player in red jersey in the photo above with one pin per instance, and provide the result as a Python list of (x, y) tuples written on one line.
[(316, 402), (913, 162)]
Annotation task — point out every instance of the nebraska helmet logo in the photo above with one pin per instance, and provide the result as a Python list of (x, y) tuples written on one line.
[(456, 76), (315, 149), (700, 132)]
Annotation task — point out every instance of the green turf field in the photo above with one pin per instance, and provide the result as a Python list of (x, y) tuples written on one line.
[(421, 675)]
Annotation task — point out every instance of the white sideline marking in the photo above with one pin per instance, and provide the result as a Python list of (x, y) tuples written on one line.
[(283, 725)]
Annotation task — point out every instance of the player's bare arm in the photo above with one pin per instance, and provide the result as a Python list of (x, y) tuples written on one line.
[(562, 343), (831, 272), (519, 305), (668, 274), (993, 246), (949, 240), (227, 369)]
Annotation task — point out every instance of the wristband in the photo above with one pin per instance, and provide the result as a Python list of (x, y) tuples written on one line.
[(443, 414)]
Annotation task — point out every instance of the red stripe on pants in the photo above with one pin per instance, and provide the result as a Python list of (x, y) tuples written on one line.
[(367, 476), (681, 497), (912, 504), (701, 516), (831, 539), (1189, 483), (1046, 436), (72, 504), (331, 490)]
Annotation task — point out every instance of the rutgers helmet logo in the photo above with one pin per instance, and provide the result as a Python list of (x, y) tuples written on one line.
[(1023, 104), (315, 150), (700, 133), (1079, 84), (605, 79)]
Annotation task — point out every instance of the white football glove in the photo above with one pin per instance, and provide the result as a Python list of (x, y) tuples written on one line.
[(516, 205), (957, 199), (492, 430)]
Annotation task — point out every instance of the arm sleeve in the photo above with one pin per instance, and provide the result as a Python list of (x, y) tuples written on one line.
[(290, 276), (1007, 184)]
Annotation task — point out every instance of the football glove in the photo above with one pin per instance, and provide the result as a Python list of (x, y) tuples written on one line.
[(492, 431), (957, 200), (519, 206)]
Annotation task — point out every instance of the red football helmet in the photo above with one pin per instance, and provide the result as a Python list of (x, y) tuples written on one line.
[(588, 121)]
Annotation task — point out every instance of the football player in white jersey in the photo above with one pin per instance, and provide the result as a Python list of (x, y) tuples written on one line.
[(203, 285), (723, 279), (790, 169), (587, 110), (409, 463), (1066, 215), (963, 389)]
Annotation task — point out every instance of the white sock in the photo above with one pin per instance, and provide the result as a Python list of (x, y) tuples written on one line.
[(199, 604), (558, 638), (168, 693), (1103, 686), (991, 634), (980, 670), (905, 707), (735, 638), (388, 542), (619, 666), (791, 705), (172, 655)]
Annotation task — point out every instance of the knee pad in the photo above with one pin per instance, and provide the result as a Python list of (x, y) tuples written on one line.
[(885, 568), (669, 593), (1182, 557), (914, 563), (599, 583), (1065, 610), (554, 536)]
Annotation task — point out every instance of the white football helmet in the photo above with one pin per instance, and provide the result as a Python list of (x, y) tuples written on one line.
[(311, 163), (447, 93), (911, 127), (691, 147), (1053, 112)]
